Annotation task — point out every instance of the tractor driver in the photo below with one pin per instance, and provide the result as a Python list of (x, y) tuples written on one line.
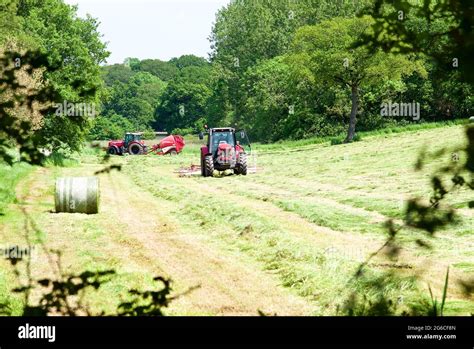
[(220, 138), (227, 137)]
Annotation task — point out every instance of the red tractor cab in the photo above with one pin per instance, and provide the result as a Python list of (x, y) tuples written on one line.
[(131, 144), (223, 151)]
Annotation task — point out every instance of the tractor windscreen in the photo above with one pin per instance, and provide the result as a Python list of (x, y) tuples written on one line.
[(222, 137)]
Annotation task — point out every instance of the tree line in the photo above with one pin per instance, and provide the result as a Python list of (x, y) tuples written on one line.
[(279, 69), (294, 69), (152, 94)]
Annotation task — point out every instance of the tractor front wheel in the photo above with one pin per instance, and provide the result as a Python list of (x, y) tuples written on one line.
[(241, 167), (208, 166), (112, 151)]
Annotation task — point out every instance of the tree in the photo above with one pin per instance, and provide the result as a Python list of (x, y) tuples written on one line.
[(268, 99), (442, 29), (166, 71), (73, 46), (247, 33), (110, 126), (327, 51), (135, 100), (184, 102), (132, 63), (250, 31), (21, 109), (116, 72), (183, 105), (195, 74), (56, 58), (188, 61)]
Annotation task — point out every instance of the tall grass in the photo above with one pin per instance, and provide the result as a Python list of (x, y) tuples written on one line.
[(10, 176)]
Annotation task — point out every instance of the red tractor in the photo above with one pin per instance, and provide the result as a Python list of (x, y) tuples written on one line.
[(132, 144), (223, 151)]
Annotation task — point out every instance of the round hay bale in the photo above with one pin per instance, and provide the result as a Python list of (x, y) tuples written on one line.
[(471, 119), (77, 195)]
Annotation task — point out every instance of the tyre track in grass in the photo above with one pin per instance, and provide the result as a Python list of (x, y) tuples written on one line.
[(228, 286), (140, 234), (299, 252), (430, 265), (429, 268), (320, 236)]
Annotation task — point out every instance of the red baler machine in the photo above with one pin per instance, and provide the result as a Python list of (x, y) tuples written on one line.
[(172, 145)]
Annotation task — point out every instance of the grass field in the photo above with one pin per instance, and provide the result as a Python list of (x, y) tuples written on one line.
[(285, 240)]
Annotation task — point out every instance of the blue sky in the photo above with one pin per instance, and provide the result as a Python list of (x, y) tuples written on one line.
[(153, 28)]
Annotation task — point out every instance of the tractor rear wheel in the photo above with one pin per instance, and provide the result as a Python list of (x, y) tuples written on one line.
[(241, 167), (208, 166), (135, 149)]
